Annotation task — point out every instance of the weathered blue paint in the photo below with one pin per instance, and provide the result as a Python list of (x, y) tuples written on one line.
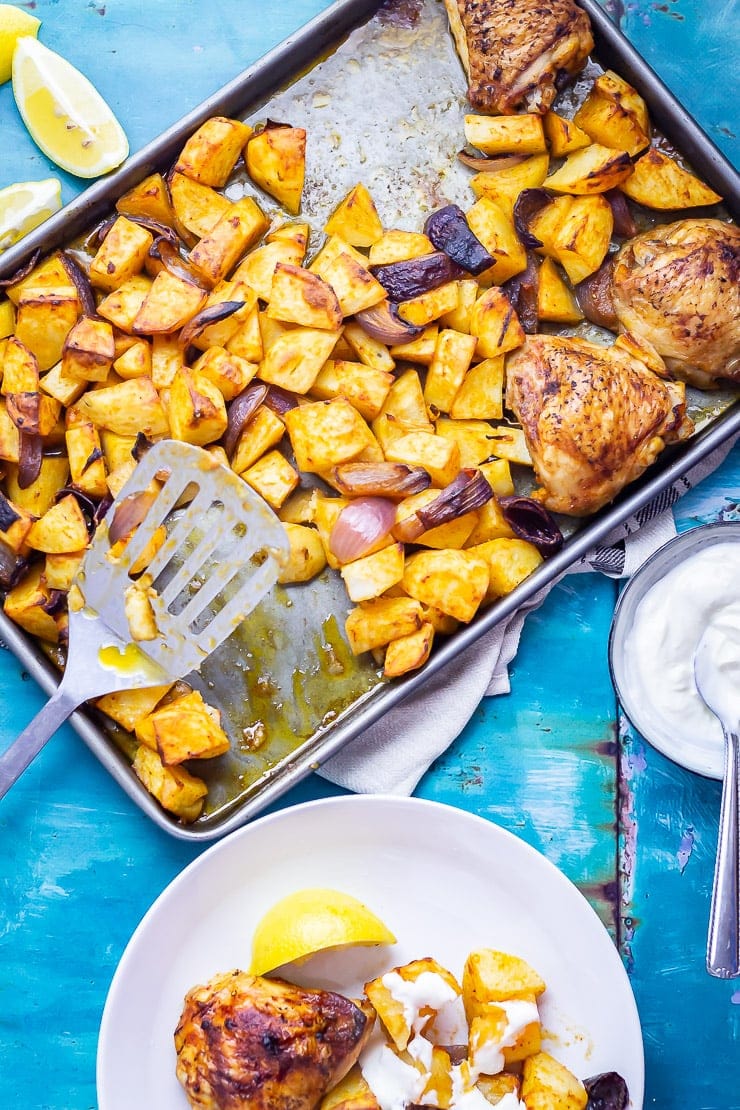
[(80, 864)]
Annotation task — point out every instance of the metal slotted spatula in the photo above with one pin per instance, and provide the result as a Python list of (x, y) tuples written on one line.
[(204, 550)]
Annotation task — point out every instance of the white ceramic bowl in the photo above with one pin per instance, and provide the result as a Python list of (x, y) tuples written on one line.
[(703, 753)]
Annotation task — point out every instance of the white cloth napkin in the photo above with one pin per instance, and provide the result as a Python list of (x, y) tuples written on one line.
[(392, 755)]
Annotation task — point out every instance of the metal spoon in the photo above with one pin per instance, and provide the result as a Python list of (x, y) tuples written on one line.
[(718, 686)]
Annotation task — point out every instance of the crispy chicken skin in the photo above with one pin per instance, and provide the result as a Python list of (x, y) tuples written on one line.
[(594, 417), (518, 53), (679, 286), (244, 1042)]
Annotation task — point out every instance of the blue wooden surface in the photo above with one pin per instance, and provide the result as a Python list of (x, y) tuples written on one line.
[(552, 761)]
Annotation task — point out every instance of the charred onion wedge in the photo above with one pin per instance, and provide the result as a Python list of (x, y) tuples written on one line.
[(594, 296), (531, 521), (448, 231), (240, 412), (381, 323), (405, 280), (380, 479), (468, 491)]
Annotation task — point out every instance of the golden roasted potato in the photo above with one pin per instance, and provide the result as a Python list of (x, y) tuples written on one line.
[(198, 207), (216, 254), (324, 433), (295, 358), (594, 169), (306, 558), (556, 301), (184, 728), (174, 788), (495, 324), (276, 161), (451, 580), (504, 185), (371, 575), (509, 562), (26, 604), (516, 134), (449, 366), (408, 653), (563, 135), (366, 388), (615, 115), (494, 226), (480, 395), (89, 350), (121, 255), (391, 1011), (375, 623), (356, 218), (126, 408), (549, 1085), (491, 975), (210, 154), (299, 297), (351, 1093), (660, 182), (273, 477), (128, 707)]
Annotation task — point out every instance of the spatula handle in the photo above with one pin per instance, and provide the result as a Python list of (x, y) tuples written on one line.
[(723, 945), (27, 746)]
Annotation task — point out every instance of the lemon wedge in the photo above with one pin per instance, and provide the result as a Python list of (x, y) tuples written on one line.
[(14, 23), (25, 206), (311, 921), (66, 116)]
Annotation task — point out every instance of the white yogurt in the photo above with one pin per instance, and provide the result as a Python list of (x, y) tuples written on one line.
[(701, 593)]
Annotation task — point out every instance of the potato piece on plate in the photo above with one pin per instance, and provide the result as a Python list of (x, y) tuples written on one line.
[(447, 370), (121, 307), (494, 226), (45, 319), (659, 182), (356, 218), (41, 494), (229, 373), (392, 1011), (405, 399), (398, 246), (581, 238), (370, 351), (505, 185), (258, 268), (306, 558), (480, 395), (86, 459), (439, 456), (425, 308), (453, 581), (26, 605), (276, 161), (595, 169), (210, 154), (351, 1093), (549, 1085), (128, 707), (355, 287), (264, 430), (509, 562), (491, 975), (518, 134), (15, 523), (9, 436)]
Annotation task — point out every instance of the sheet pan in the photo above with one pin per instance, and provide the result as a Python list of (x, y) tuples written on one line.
[(382, 94)]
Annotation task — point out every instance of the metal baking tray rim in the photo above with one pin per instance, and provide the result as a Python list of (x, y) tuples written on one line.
[(253, 86)]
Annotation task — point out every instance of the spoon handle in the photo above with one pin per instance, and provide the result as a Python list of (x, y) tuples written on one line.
[(723, 944)]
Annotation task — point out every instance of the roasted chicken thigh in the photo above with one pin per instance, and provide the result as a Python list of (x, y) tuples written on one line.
[(679, 287), (593, 417), (517, 54), (249, 1043)]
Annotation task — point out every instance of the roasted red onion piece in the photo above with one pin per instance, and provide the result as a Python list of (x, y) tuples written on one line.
[(212, 314), (469, 490), (141, 445), (624, 222), (490, 165), (22, 272), (30, 454), (594, 296), (607, 1091), (359, 526), (240, 412), (522, 290), (405, 280), (81, 282), (380, 479), (24, 409), (172, 260), (12, 566), (54, 603), (280, 400), (381, 323), (130, 514), (8, 515), (528, 204), (448, 230), (532, 522)]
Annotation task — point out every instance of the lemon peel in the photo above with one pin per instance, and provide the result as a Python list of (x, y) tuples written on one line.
[(65, 115), (24, 206), (310, 921), (15, 23)]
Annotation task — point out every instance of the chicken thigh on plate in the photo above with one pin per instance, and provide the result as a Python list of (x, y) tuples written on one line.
[(679, 287), (244, 1042), (593, 417), (517, 54)]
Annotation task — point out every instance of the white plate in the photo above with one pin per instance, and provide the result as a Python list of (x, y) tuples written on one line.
[(443, 880)]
